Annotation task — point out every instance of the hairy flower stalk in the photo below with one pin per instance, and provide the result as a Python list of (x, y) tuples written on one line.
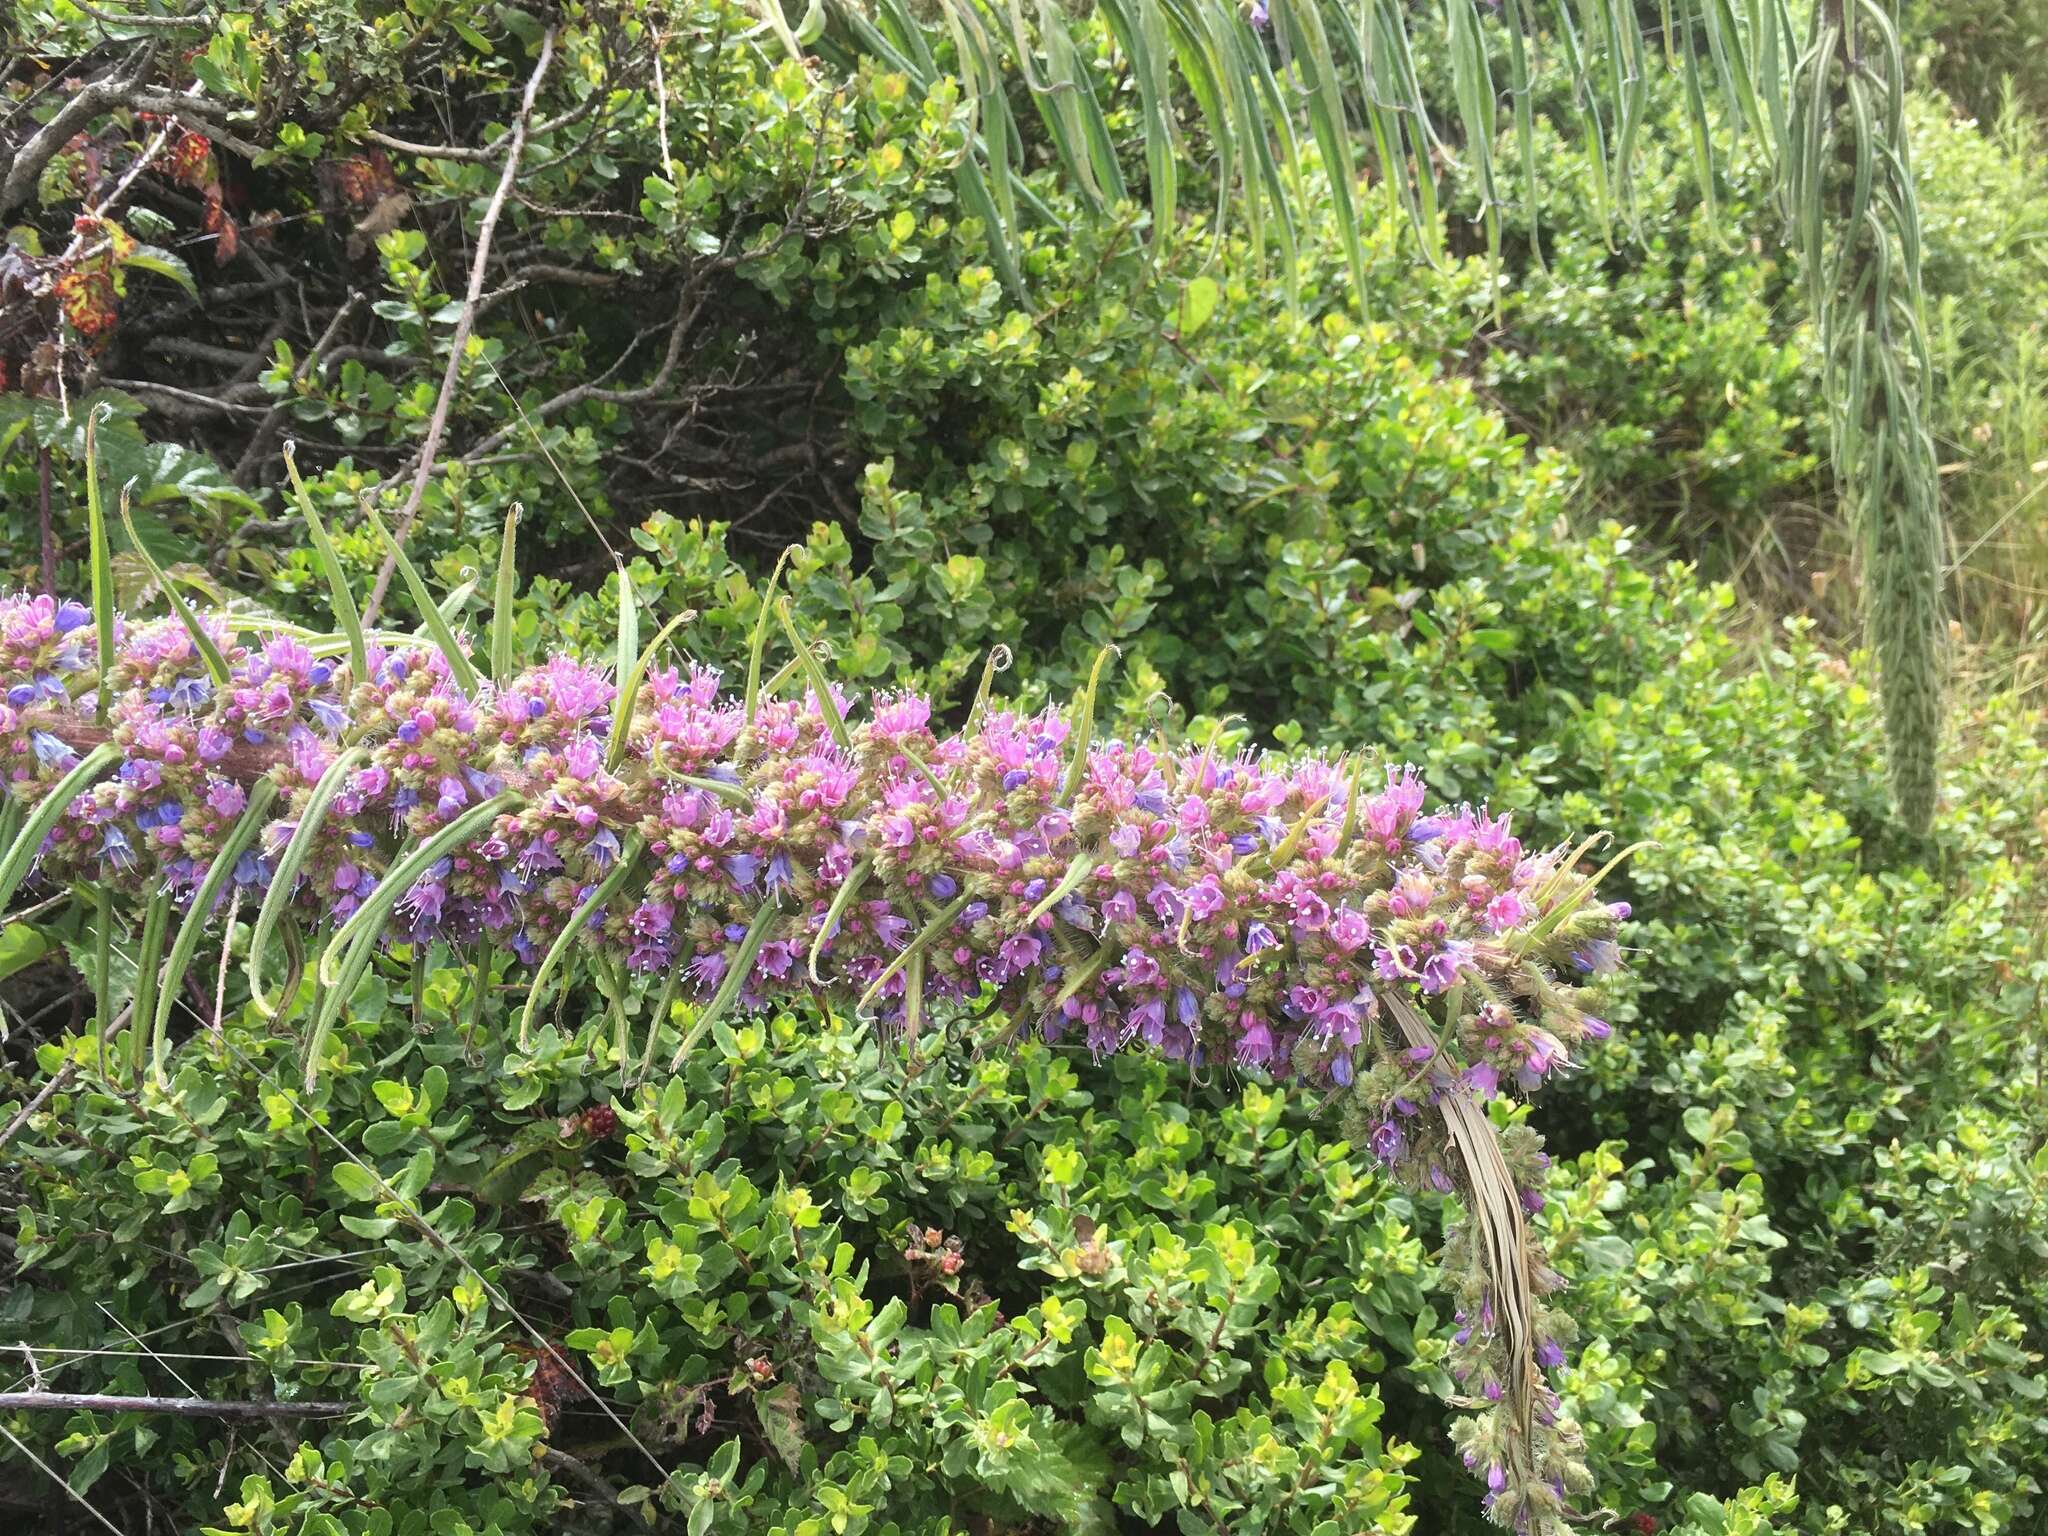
[(1298, 916)]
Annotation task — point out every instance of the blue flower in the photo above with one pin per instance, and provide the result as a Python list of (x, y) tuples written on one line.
[(50, 751)]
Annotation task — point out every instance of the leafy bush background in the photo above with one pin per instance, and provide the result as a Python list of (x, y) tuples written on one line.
[(1800, 1196)]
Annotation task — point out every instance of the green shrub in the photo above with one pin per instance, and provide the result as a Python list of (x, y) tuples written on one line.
[(825, 1288)]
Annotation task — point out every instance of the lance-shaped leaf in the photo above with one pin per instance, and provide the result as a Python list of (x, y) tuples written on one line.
[(849, 888), (572, 931), (759, 643), (243, 833), (1082, 732), (814, 674), (216, 664), (924, 940), (290, 860), (459, 667), (729, 987), (376, 907), (156, 919), (630, 682), (21, 854), (332, 997), (102, 561), (1504, 1235), (627, 648), (340, 598), (1081, 867), (504, 597)]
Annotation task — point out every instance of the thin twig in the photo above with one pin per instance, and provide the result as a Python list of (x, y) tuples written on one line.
[(459, 344), (49, 530), (176, 1407), (58, 1478), (81, 109), (54, 1086)]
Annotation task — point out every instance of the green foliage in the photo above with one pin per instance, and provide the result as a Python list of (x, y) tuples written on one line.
[(812, 1280), (1799, 1197)]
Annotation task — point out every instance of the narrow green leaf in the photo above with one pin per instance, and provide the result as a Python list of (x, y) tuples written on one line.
[(251, 821), (1081, 729), (156, 918), (290, 860), (504, 596), (346, 616), (629, 694), (28, 842), (815, 675), (459, 668), (842, 898), (401, 878), (719, 787), (628, 648), (998, 661), (925, 938), (572, 932), (660, 1015), (329, 1000), (102, 571), (1080, 869), (760, 640), (102, 959), (216, 664), (735, 978)]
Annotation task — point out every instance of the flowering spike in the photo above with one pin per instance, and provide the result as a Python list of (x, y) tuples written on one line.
[(1114, 893)]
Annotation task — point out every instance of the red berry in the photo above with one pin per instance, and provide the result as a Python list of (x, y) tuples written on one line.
[(599, 1121)]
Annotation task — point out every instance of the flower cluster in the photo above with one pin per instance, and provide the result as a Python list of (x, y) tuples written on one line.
[(1263, 911)]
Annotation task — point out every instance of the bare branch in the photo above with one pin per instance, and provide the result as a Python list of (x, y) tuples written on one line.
[(177, 1407), (459, 344), (71, 118), (53, 1087)]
